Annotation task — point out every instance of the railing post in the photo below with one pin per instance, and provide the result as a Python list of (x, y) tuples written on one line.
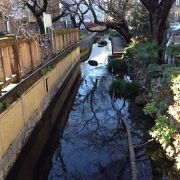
[(17, 60), (2, 69)]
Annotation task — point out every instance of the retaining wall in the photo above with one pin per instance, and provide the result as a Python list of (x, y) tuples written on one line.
[(30, 98)]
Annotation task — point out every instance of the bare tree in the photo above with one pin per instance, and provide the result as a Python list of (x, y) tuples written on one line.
[(114, 14), (37, 9), (18, 9), (71, 7), (12, 12)]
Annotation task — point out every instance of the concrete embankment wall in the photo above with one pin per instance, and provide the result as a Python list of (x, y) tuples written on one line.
[(86, 46), (30, 98), (35, 160), (85, 52)]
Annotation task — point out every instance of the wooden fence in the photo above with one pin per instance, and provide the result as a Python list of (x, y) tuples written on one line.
[(21, 56)]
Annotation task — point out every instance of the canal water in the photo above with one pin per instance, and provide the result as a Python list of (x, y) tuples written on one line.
[(94, 143), (88, 141)]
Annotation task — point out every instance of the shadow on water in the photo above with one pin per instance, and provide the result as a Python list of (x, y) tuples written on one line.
[(93, 145)]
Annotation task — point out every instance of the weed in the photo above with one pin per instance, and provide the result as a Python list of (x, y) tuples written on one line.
[(125, 89), (117, 65), (47, 69)]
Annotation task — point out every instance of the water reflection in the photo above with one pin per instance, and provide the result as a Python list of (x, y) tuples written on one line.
[(94, 144)]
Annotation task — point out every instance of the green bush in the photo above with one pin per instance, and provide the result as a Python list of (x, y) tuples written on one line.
[(173, 51), (162, 131), (174, 83), (168, 71), (162, 71), (171, 77), (117, 65), (162, 107), (132, 89), (154, 71), (153, 108), (5, 104), (132, 49), (150, 108), (114, 34), (146, 52), (124, 89)]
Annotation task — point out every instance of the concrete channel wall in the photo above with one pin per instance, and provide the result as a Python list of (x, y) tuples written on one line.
[(32, 95), (86, 45)]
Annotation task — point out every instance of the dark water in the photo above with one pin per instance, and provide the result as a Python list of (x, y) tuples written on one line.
[(93, 144)]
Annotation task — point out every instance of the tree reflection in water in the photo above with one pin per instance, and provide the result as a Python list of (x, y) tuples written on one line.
[(94, 143)]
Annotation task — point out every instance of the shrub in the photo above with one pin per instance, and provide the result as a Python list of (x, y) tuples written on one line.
[(162, 131), (150, 108), (174, 83), (153, 70), (173, 51), (168, 71), (162, 107), (132, 49), (160, 70), (125, 89), (171, 77), (5, 104), (132, 89), (146, 52), (117, 65)]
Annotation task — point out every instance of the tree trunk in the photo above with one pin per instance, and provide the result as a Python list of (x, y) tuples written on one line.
[(73, 19), (158, 14), (40, 24), (158, 30)]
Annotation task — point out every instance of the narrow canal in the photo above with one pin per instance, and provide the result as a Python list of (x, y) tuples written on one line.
[(94, 143), (89, 143)]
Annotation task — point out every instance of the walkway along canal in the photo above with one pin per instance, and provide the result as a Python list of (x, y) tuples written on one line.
[(93, 144)]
